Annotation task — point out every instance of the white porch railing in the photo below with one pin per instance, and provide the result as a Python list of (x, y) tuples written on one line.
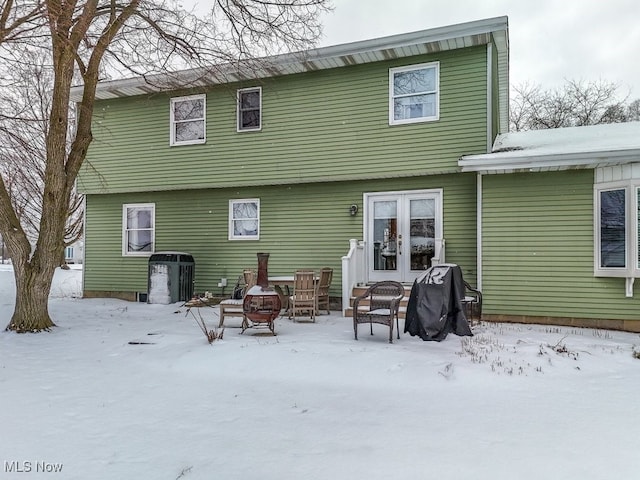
[(438, 254), (353, 267), (352, 271)]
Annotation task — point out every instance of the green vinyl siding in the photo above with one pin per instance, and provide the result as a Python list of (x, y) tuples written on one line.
[(329, 125), (538, 246), (304, 225)]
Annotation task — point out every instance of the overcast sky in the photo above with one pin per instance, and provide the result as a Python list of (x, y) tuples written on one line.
[(550, 40)]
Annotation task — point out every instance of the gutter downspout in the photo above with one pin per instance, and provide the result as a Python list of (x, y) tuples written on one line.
[(489, 97), (479, 231), (84, 241), (479, 175)]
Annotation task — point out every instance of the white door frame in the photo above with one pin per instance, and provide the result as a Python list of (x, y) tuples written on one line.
[(403, 270)]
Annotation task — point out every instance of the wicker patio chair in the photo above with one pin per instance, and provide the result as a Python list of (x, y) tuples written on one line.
[(379, 304)]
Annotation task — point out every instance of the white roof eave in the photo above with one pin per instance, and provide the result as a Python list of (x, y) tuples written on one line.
[(511, 163), (397, 46)]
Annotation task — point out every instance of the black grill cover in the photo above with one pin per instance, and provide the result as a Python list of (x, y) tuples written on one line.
[(435, 308)]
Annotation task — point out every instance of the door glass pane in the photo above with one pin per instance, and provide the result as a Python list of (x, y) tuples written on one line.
[(612, 229), (422, 223), (385, 232)]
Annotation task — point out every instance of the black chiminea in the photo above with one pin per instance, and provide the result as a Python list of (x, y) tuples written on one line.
[(262, 303)]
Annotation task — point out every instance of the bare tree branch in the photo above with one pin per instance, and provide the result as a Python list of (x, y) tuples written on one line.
[(577, 103), (44, 140)]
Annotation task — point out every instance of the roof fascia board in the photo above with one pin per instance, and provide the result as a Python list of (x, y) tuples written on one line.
[(492, 164), (406, 39)]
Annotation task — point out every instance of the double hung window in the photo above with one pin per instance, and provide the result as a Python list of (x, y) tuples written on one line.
[(138, 229), (244, 219), (414, 93), (249, 109), (188, 120)]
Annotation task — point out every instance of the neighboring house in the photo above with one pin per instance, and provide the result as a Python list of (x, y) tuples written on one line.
[(74, 253), (559, 226), (296, 158)]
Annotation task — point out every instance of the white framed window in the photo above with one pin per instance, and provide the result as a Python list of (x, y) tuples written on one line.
[(138, 229), (617, 229), (188, 120), (249, 109), (612, 222), (414, 93), (244, 219)]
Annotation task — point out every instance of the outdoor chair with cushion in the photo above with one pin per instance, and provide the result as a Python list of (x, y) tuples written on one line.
[(379, 304), (326, 275), (472, 303), (232, 307), (304, 300)]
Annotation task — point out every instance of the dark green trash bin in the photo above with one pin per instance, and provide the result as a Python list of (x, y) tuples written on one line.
[(171, 277)]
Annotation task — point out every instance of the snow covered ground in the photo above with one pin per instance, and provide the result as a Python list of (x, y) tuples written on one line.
[(512, 402)]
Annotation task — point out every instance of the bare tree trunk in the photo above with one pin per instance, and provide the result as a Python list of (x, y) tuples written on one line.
[(31, 313), (135, 34)]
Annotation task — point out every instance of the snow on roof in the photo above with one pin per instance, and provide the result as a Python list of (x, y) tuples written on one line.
[(559, 149)]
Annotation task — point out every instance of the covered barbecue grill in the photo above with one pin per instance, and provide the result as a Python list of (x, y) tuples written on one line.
[(435, 305)]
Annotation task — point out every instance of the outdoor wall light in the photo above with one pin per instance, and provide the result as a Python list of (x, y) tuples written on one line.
[(353, 210)]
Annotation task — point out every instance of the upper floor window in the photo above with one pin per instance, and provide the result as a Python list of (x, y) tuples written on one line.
[(249, 109), (414, 93), (244, 219), (188, 120), (138, 229)]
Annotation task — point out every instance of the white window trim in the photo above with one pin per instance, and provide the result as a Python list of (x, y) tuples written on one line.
[(631, 269), (231, 229), (248, 129), (172, 132), (392, 71), (125, 207)]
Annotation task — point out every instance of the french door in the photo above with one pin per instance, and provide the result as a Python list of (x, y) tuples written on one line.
[(401, 229)]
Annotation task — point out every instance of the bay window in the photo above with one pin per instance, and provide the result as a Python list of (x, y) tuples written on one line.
[(617, 229)]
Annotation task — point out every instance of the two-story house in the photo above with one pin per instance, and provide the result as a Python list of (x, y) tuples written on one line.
[(296, 157)]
